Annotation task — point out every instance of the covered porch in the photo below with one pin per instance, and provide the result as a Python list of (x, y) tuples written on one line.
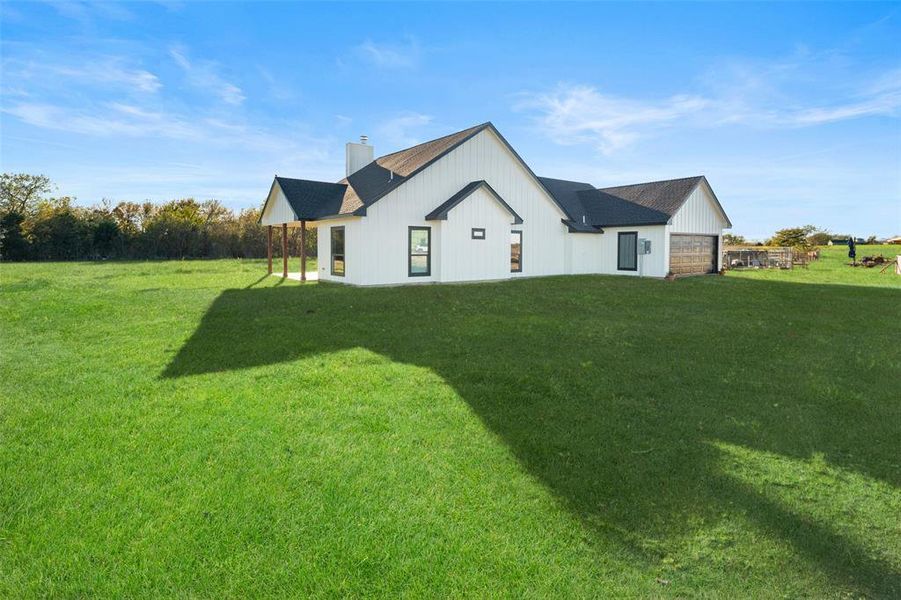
[(300, 275)]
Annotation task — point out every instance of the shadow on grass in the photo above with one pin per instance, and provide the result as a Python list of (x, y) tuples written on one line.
[(607, 389)]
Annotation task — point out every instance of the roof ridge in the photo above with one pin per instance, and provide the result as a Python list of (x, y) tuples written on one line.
[(567, 181), (652, 182), (432, 141)]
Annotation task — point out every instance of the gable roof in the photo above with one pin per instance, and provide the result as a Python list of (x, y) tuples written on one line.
[(440, 213), (652, 203), (585, 207), (667, 196), (590, 209), (387, 172), (311, 200)]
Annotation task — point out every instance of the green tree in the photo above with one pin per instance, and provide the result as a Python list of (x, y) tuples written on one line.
[(22, 193), (793, 237), (730, 239), (820, 237), (13, 245), (60, 231)]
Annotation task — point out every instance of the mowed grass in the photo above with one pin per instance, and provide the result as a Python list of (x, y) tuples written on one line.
[(196, 429), (833, 266)]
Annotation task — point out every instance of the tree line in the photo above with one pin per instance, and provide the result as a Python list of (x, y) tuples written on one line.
[(37, 226), (807, 237)]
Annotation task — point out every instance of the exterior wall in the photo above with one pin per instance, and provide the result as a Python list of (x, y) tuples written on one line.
[(465, 259), (698, 215), (278, 210), (597, 252), (482, 157), (701, 216), (353, 250)]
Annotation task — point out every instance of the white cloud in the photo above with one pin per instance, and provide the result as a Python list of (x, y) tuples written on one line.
[(405, 55), (204, 75), (398, 131), (580, 114), (93, 70), (779, 95)]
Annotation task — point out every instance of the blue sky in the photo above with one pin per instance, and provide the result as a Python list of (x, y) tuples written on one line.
[(793, 111)]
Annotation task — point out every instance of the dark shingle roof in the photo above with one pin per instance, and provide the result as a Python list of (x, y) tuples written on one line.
[(387, 172), (652, 203), (590, 209), (440, 213), (665, 196), (605, 210), (312, 200), (566, 193)]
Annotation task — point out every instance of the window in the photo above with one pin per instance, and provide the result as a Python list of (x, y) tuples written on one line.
[(478, 233), (627, 251), (516, 251), (338, 251), (420, 264)]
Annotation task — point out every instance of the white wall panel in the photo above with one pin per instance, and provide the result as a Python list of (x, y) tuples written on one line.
[(465, 259), (699, 214), (482, 157), (597, 253), (278, 210), (354, 250)]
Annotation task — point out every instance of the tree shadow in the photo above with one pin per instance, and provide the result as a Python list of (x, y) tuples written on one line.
[(607, 389)]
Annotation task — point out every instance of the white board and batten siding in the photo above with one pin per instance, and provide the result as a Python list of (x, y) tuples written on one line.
[(482, 157), (700, 215), (466, 259), (353, 249), (277, 209), (593, 253)]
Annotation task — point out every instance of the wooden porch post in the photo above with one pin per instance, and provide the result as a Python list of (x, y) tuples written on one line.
[(269, 246), (303, 250), (285, 250)]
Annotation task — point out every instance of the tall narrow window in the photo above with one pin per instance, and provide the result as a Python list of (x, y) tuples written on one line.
[(627, 251), (338, 251), (420, 256), (516, 251)]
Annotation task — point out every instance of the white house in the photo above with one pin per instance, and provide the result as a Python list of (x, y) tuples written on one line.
[(466, 207)]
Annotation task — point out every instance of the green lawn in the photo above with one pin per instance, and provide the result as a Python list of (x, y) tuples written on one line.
[(833, 267), (196, 429)]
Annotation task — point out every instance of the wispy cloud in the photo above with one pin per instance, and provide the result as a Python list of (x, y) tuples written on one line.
[(85, 12), (205, 75), (386, 55), (401, 130), (94, 71), (580, 114), (759, 98)]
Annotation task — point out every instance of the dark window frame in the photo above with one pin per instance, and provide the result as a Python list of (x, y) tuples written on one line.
[(410, 254), (619, 258), (519, 270), (343, 254), (476, 230)]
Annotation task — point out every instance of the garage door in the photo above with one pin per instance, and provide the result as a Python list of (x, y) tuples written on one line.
[(692, 254)]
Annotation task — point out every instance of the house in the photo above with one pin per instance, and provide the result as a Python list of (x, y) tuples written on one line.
[(466, 207)]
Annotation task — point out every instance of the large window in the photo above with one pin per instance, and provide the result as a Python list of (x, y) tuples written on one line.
[(420, 263), (338, 251), (516, 251), (627, 251)]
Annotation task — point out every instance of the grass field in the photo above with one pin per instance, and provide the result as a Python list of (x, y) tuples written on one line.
[(833, 268), (194, 429)]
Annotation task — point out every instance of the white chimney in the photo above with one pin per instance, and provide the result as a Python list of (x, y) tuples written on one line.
[(358, 155)]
